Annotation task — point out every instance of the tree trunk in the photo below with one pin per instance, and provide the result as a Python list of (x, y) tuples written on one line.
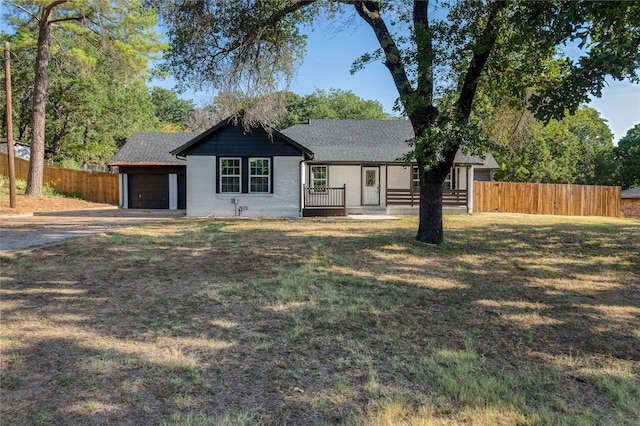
[(430, 226), (431, 183), (36, 162)]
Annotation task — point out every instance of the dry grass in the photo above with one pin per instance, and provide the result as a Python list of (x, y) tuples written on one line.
[(515, 320), (50, 201)]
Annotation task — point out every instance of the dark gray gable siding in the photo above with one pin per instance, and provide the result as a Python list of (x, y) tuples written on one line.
[(233, 142)]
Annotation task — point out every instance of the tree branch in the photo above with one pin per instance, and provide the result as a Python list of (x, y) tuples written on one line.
[(276, 17), (369, 11), (17, 6), (424, 49), (75, 18), (481, 51)]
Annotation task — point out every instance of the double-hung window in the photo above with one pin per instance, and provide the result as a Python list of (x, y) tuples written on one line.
[(319, 179), (241, 175), (230, 175), (318, 176), (448, 181), (415, 179), (259, 175)]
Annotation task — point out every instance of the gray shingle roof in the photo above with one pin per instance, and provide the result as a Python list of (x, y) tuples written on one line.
[(362, 141), (353, 140), (631, 193), (151, 148), (381, 141)]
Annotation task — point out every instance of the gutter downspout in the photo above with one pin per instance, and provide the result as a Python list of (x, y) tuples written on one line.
[(301, 170)]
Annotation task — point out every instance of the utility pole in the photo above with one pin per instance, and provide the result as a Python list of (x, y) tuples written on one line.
[(10, 153)]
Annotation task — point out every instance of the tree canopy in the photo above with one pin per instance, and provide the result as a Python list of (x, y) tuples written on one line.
[(122, 31), (333, 104), (431, 49), (170, 109), (627, 159), (90, 111), (571, 150)]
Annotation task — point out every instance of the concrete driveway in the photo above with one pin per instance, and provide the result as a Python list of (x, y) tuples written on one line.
[(28, 231)]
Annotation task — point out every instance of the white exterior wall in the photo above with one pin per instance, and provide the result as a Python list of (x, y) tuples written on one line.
[(202, 199), (470, 172), (351, 176), (123, 201), (201, 185), (399, 177), (173, 192)]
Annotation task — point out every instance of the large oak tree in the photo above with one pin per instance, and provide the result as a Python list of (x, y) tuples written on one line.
[(434, 51)]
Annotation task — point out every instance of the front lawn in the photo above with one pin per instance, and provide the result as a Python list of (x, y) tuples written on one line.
[(514, 320)]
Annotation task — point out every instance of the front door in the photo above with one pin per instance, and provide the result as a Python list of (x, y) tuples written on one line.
[(371, 186)]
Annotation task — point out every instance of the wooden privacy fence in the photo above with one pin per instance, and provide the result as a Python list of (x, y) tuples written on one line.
[(96, 187), (540, 198)]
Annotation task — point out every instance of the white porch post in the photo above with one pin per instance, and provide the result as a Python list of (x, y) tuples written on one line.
[(470, 190), (124, 190), (173, 191)]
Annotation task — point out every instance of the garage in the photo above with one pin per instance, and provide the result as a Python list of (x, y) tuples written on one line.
[(153, 187), (150, 177), (148, 191)]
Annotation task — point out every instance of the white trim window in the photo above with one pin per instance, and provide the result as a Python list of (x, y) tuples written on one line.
[(415, 179), (259, 175), (448, 181), (319, 177), (230, 175)]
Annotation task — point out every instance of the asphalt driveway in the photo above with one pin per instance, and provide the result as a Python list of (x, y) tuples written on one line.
[(29, 231)]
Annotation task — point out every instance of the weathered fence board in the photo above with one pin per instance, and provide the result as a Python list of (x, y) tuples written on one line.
[(96, 187), (538, 198)]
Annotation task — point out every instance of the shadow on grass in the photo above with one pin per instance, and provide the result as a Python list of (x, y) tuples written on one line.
[(305, 322)]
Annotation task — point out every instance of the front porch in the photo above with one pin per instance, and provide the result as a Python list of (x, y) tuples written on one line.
[(321, 201), (332, 201), (411, 197)]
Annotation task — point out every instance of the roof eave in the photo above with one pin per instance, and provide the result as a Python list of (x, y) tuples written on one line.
[(144, 163)]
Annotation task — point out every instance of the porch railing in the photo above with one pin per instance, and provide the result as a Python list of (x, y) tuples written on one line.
[(324, 197), (411, 197)]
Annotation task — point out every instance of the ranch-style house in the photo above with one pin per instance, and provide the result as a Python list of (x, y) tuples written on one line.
[(315, 168)]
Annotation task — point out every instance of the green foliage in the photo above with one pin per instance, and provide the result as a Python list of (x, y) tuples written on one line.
[(124, 30), (574, 149), (93, 104), (336, 104), (427, 148), (564, 51), (169, 109), (117, 37), (627, 159)]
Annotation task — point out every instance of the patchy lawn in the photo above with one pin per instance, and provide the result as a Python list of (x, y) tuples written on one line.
[(515, 320)]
